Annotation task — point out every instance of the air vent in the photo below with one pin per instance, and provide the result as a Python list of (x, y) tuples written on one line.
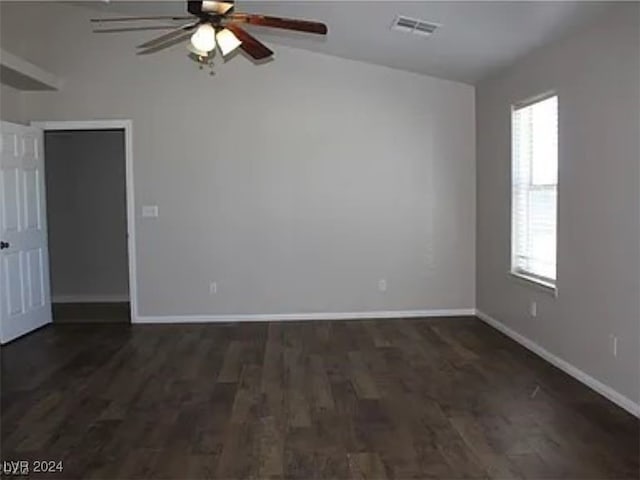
[(413, 25)]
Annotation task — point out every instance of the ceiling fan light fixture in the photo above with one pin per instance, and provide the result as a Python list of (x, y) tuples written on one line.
[(204, 38), (209, 23), (227, 41)]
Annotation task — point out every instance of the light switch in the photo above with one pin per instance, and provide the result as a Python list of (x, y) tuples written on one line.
[(149, 211)]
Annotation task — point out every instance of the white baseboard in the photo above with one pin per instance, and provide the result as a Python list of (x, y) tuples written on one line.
[(304, 316), (89, 298), (604, 390)]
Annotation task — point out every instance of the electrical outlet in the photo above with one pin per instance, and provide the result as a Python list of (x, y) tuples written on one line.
[(533, 309), (382, 285), (213, 288)]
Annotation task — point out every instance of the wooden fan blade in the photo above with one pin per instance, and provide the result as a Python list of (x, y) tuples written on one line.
[(133, 19), (132, 29), (217, 7), (168, 43), (277, 22), (168, 36), (250, 44)]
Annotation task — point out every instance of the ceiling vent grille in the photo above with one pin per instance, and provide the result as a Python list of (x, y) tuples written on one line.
[(413, 25)]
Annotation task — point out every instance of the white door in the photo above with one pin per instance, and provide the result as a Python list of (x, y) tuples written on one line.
[(25, 302)]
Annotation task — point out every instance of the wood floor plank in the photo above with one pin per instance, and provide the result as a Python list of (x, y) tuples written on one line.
[(407, 398), (232, 365), (271, 449), (366, 466), (272, 382), (471, 432), (320, 385), (363, 382), (297, 396), (238, 458), (247, 394), (378, 338), (455, 344)]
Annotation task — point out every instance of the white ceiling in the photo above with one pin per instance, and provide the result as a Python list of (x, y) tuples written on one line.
[(476, 38)]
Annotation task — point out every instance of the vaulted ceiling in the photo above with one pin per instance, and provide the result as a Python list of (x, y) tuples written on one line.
[(475, 40)]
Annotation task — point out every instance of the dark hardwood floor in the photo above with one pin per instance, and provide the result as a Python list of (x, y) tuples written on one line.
[(438, 398), (111, 312)]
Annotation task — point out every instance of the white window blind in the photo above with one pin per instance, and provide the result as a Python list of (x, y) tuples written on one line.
[(535, 189)]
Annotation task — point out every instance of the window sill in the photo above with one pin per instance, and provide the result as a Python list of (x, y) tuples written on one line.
[(547, 287)]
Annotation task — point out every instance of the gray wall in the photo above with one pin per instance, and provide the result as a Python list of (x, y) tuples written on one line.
[(11, 105), (295, 185), (86, 215), (596, 74)]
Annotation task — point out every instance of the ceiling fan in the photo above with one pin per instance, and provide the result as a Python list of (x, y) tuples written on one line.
[(210, 23)]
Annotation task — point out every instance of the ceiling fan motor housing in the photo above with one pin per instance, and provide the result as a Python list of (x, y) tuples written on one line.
[(195, 7)]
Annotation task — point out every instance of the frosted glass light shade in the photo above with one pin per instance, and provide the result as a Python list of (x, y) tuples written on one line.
[(227, 41), (204, 38)]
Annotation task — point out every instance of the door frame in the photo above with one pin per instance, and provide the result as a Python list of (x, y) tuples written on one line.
[(127, 126)]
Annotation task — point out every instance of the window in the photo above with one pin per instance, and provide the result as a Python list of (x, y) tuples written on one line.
[(535, 189)]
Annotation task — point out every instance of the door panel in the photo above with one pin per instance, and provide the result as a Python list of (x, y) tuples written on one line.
[(31, 199), (36, 278), (24, 280), (9, 143), (14, 284), (10, 199), (30, 148)]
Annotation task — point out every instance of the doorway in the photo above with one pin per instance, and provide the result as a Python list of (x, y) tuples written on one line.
[(85, 178), (89, 193)]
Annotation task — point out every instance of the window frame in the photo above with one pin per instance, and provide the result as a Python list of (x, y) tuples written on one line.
[(525, 276)]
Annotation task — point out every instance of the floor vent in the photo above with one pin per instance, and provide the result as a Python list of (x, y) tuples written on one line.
[(413, 25)]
